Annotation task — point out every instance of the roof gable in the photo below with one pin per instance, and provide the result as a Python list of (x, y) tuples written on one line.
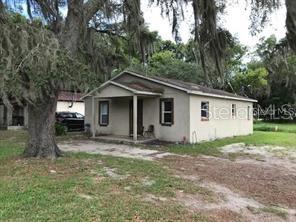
[(187, 87)]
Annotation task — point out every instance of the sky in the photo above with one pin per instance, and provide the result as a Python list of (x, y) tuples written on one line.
[(236, 21)]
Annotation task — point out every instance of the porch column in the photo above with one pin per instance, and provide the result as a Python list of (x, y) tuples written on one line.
[(135, 117), (93, 117)]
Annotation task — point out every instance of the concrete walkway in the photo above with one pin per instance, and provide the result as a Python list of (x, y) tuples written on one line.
[(119, 150)]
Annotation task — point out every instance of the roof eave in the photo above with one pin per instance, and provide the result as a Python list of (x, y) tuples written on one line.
[(222, 97), (136, 92)]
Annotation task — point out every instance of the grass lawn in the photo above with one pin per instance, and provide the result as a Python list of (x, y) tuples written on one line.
[(102, 188), (82, 187), (280, 127), (258, 138)]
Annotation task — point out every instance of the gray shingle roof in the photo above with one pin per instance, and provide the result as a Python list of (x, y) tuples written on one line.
[(196, 87), (141, 87)]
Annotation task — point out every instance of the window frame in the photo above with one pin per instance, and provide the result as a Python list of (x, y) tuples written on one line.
[(233, 110), (205, 118), (249, 113), (100, 113), (162, 112)]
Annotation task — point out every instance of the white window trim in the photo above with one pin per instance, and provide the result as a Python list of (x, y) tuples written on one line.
[(207, 110), (105, 113), (163, 111)]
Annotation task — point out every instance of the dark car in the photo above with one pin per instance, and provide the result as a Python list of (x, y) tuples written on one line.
[(70, 120)]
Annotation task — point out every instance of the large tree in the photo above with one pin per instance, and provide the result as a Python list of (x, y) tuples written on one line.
[(280, 61), (213, 41), (39, 58), (73, 38)]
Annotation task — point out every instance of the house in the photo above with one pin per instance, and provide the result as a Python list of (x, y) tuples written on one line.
[(70, 102), (131, 104), (18, 117)]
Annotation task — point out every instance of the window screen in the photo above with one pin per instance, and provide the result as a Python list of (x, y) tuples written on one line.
[(205, 110), (104, 113), (166, 111)]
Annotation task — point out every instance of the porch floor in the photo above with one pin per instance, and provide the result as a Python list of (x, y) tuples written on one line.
[(123, 139)]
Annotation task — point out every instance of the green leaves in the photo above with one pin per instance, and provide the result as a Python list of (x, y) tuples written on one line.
[(33, 64)]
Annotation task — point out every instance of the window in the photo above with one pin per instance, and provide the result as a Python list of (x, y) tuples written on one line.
[(166, 115), (233, 110), (104, 113), (79, 116), (204, 110), (249, 114)]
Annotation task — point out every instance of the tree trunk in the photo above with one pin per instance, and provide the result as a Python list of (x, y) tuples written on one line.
[(41, 129), (291, 23)]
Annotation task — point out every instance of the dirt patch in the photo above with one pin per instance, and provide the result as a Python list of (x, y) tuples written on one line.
[(147, 182), (231, 206), (119, 150), (276, 156), (111, 172), (85, 196), (267, 185)]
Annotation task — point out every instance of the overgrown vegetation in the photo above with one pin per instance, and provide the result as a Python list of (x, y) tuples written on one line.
[(60, 130)]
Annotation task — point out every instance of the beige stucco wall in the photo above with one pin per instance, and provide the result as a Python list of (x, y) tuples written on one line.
[(221, 123), (63, 106), (180, 129), (114, 91), (118, 115)]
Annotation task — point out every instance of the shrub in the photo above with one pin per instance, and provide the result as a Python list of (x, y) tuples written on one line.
[(60, 130)]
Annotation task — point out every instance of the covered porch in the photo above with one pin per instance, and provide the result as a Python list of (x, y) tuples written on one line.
[(124, 113)]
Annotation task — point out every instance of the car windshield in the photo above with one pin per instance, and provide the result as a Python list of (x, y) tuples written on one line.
[(78, 115), (67, 115)]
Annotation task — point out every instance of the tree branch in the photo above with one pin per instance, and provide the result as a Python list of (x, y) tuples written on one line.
[(91, 7), (291, 22), (109, 32), (2, 11)]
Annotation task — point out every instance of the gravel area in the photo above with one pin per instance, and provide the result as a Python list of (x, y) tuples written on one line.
[(120, 150)]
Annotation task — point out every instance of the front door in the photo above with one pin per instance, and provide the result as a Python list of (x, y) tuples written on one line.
[(140, 117)]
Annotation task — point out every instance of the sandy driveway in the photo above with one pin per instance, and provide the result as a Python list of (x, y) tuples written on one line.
[(247, 183), (119, 150)]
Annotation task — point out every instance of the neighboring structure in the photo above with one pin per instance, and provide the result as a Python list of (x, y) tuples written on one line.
[(131, 104), (18, 117), (70, 102), (14, 119)]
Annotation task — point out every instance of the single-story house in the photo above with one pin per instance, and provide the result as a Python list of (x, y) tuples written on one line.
[(137, 106), (18, 117)]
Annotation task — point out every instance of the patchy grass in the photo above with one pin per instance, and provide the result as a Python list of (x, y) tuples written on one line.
[(212, 147), (78, 187), (276, 211), (275, 127)]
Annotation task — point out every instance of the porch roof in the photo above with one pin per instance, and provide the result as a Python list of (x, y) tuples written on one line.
[(132, 88)]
